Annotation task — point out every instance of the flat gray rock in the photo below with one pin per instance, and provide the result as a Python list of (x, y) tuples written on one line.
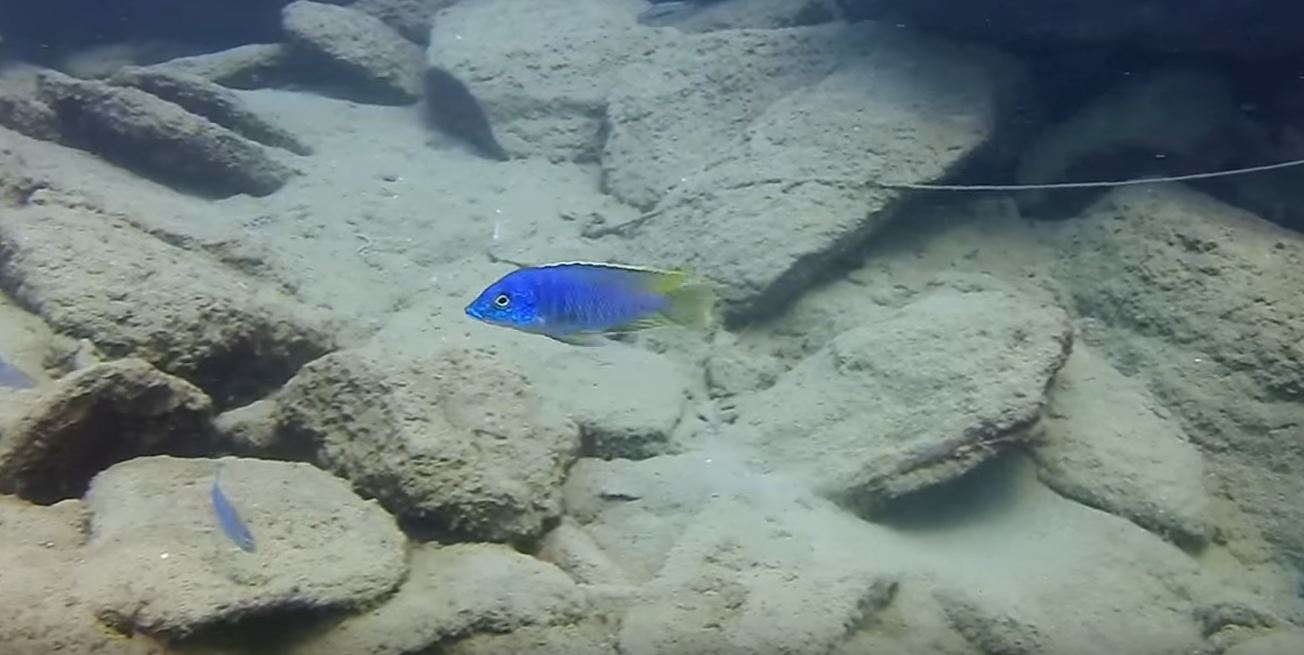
[(1108, 444), (452, 592), (787, 181), (1200, 301), (947, 382), (210, 100), (383, 66), (158, 562), (544, 90), (459, 439), (159, 139), (626, 401), (91, 274), (93, 418)]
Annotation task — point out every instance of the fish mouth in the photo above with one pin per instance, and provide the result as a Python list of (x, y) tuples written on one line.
[(474, 312)]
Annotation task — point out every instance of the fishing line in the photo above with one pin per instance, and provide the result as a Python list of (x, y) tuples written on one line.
[(1091, 185)]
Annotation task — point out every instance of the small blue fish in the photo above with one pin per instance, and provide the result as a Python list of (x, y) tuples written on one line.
[(577, 302), (13, 377), (665, 13), (227, 518)]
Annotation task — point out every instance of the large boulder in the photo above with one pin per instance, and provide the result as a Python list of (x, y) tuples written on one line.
[(160, 139), (761, 188), (96, 417), (411, 18), (920, 398), (317, 546), (459, 439), (91, 274), (1200, 301), (380, 65)]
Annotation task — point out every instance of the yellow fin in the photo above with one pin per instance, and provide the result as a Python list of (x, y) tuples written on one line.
[(692, 305)]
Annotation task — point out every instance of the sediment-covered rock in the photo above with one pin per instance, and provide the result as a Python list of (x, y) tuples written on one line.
[(26, 114), (1200, 301), (452, 592), (210, 100), (160, 139), (383, 66), (781, 179), (1108, 444), (252, 66), (158, 562), (411, 18), (96, 417), (43, 607), (459, 438), (544, 90), (626, 401), (91, 274), (947, 382)]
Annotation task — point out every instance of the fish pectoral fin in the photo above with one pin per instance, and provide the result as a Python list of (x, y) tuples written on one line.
[(579, 338)]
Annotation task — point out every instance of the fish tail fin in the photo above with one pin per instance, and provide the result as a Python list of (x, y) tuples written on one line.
[(690, 304)]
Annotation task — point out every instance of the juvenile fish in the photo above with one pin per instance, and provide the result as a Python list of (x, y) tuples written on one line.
[(13, 377), (227, 517), (664, 13), (578, 302)]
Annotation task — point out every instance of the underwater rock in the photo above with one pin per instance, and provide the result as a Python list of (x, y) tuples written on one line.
[(1277, 642), (947, 382), (43, 608), (627, 401), (585, 637), (383, 67), (1107, 444), (252, 66), (731, 562), (452, 592), (27, 114), (91, 274), (574, 551), (459, 439), (212, 101), (95, 417), (160, 139), (766, 211), (411, 18), (1201, 301), (250, 430), (1258, 29), (158, 563), (544, 90)]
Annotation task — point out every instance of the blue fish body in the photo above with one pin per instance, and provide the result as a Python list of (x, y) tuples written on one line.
[(574, 300), (13, 377), (228, 518)]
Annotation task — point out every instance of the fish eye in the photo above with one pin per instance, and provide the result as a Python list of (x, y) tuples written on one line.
[(501, 300)]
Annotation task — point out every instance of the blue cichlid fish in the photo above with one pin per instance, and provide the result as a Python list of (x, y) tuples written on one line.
[(227, 517), (577, 302)]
